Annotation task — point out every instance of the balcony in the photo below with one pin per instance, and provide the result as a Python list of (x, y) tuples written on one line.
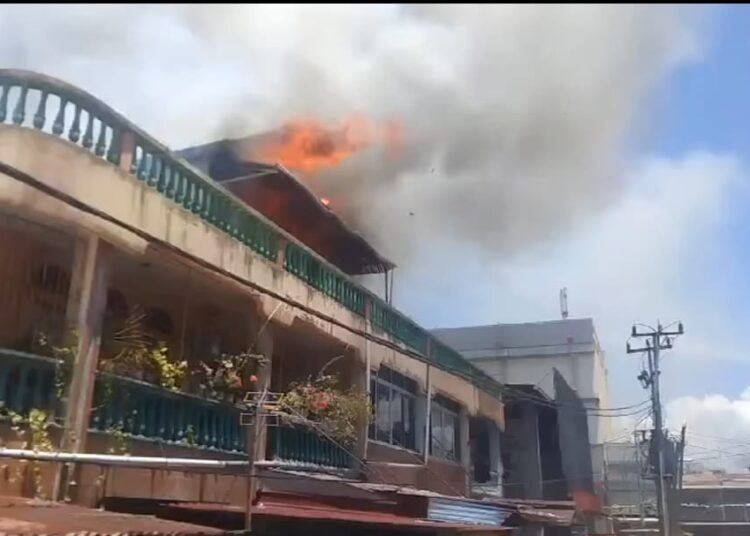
[(332, 315), (142, 411), (303, 448)]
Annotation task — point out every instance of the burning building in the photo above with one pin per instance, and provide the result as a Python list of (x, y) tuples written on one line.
[(157, 289), (272, 189)]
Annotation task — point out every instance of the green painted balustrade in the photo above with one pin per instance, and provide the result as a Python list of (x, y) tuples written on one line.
[(304, 265), (389, 320), (36, 101), (26, 381), (146, 411), (52, 106), (451, 360), (305, 447)]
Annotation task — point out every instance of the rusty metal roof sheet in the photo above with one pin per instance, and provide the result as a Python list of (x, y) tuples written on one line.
[(19, 515), (548, 516)]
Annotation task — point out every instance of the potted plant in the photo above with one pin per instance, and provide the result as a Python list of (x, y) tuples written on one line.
[(320, 403)]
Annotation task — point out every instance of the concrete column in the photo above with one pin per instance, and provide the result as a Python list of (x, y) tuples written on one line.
[(530, 460), (423, 420), (127, 150), (87, 301), (496, 461), (368, 370), (465, 445), (264, 346), (256, 433), (360, 380)]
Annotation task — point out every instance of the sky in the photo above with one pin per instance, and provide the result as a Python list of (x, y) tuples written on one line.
[(598, 148), (674, 246)]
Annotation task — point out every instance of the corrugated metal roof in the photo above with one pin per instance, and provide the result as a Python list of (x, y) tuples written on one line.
[(307, 508), (533, 338), (466, 512)]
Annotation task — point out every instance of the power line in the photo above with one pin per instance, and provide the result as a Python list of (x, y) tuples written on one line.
[(601, 412)]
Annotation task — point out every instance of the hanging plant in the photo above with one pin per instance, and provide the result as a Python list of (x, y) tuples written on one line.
[(65, 354), (34, 432), (321, 404)]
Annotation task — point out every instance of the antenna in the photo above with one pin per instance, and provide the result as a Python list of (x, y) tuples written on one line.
[(564, 303)]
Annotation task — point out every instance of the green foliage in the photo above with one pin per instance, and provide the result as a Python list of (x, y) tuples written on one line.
[(170, 375), (222, 378), (120, 440), (128, 349), (66, 355), (321, 403), (38, 424), (191, 438)]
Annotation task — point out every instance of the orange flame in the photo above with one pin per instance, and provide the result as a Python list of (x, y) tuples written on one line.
[(307, 145)]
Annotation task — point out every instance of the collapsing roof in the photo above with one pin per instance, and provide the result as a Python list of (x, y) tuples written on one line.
[(277, 194)]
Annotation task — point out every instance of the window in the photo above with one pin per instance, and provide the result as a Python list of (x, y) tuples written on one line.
[(393, 395), (445, 429)]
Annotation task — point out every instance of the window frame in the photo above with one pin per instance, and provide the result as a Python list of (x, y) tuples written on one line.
[(386, 379), (439, 408)]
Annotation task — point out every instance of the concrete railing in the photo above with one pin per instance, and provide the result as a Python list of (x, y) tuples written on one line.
[(295, 445), (134, 408), (146, 411), (27, 381)]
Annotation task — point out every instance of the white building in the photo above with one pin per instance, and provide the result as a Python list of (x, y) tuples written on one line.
[(526, 354)]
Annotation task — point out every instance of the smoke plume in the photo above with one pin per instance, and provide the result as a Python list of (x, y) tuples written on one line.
[(515, 119)]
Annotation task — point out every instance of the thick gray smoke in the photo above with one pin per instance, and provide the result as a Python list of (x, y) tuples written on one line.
[(515, 118)]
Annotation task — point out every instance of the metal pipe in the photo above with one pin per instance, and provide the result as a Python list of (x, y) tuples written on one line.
[(153, 462)]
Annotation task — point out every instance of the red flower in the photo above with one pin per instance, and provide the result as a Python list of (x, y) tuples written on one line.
[(322, 403)]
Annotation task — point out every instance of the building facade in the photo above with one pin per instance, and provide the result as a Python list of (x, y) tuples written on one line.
[(112, 242), (524, 357), (527, 354)]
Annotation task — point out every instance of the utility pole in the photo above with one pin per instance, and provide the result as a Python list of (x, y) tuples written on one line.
[(682, 457), (656, 340), (641, 505)]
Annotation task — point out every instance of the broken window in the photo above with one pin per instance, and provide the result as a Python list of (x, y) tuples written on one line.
[(393, 396), (445, 430)]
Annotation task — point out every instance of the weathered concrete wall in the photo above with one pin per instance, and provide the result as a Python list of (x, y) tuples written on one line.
[(100, 185), (440, 476), (97, 482), (94, 482)]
